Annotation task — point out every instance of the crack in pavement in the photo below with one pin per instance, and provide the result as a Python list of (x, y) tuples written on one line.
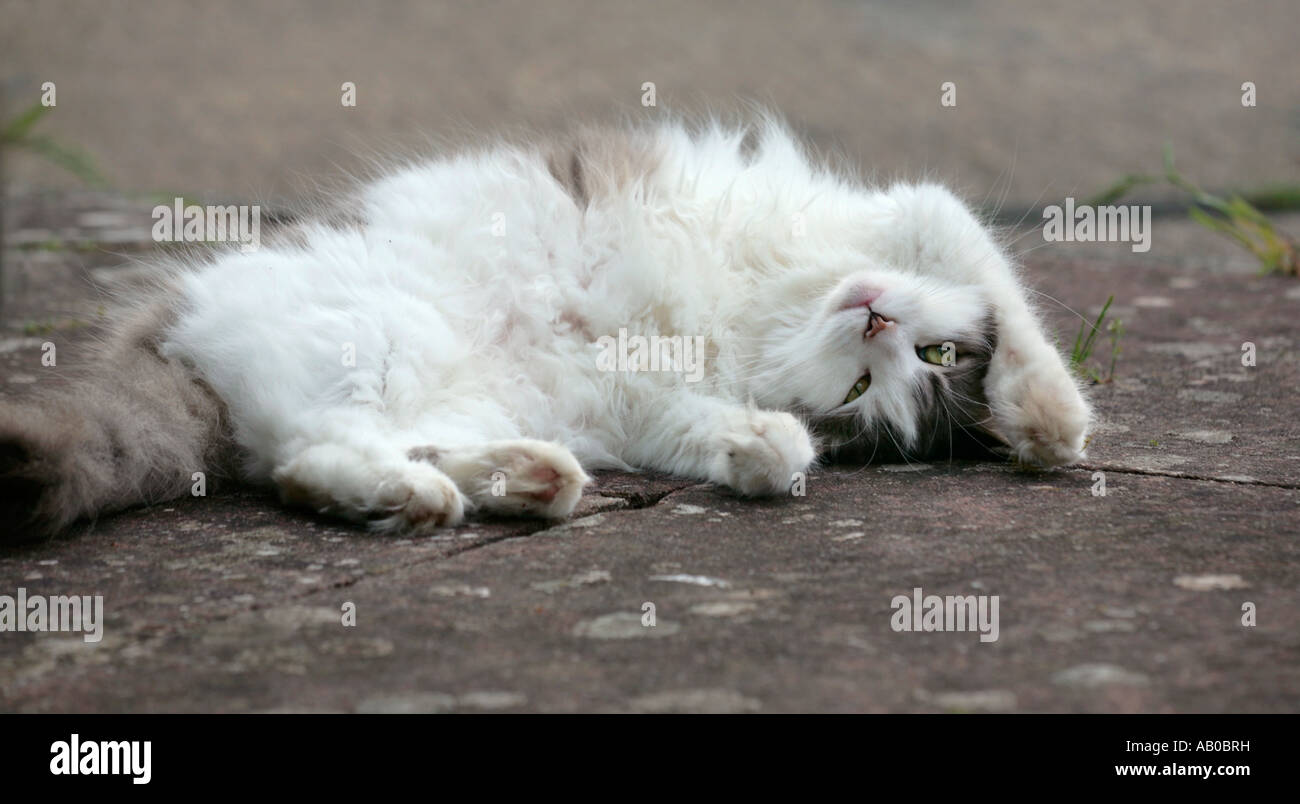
[(1129, 470), (635, 501)]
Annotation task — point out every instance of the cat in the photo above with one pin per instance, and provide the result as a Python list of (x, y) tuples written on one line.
[(433, 346)]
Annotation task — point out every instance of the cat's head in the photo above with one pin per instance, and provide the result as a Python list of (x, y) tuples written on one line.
[(883, 351)]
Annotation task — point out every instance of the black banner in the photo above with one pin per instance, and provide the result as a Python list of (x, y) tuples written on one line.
[(320, 752)]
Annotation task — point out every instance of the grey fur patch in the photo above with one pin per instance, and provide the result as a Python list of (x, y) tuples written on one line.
[(596, 162), (427, 454), (132, 430)]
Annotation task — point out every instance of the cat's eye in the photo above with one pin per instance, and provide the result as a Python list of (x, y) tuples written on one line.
[(938, 354), (858, 388)]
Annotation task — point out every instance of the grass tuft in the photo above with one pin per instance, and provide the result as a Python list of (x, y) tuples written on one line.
[(1232, 216), (18, 133), (1086, 342)]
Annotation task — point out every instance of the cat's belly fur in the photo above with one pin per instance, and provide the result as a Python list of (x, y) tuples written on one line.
[(468, 307)]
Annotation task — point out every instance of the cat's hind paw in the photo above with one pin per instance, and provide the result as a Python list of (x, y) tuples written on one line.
[(522, 477), (418, 504), (389, 497)]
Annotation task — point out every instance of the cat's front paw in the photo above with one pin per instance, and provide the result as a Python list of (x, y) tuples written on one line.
[(1042, 415), (761, 453)]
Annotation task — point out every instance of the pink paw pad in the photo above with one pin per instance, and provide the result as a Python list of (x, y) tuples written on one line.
[(548, 476)]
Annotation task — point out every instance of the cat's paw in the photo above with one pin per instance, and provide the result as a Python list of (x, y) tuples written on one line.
[(761, 452), (521, 478), (1040, 412), (417, 500), (391, 497)]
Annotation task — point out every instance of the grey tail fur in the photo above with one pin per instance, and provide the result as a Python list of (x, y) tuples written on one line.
[(131, 430)]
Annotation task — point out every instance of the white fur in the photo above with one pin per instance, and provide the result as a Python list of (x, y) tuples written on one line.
[(479, 345)]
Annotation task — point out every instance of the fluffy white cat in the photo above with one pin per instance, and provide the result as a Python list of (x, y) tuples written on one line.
[(437, 348)]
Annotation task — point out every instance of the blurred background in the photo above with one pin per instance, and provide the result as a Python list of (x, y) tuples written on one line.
[(241, 100)]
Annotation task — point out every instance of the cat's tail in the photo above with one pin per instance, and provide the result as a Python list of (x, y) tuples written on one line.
[(135, 428)]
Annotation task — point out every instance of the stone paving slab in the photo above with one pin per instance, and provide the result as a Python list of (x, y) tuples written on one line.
[(1182, 402), (771, 606), (1127, 602)]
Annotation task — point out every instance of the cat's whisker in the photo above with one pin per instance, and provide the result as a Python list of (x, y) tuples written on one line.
[(1062, 305)]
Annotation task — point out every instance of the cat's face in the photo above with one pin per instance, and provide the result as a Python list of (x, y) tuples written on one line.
[(883, 363)]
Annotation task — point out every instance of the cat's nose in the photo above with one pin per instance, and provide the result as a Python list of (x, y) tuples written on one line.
[(877, 323)]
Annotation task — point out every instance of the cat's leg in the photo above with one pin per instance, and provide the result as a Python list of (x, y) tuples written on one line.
[(364, 475), (755, 452), (1034, 399), (517, 477)]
